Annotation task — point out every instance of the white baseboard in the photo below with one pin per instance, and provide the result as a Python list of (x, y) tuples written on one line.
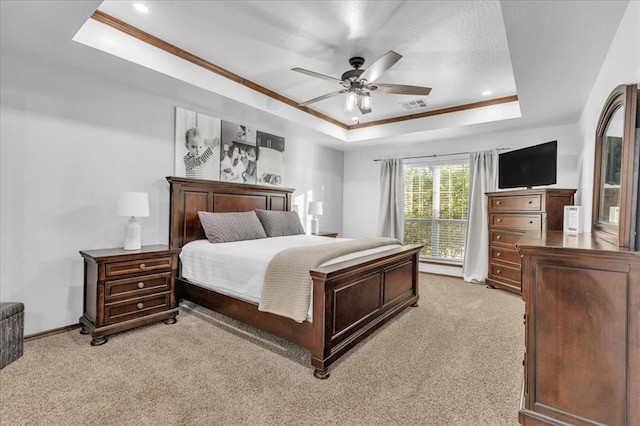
[(454, 271)]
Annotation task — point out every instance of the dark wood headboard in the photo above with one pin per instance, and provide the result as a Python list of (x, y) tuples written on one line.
[(189, 196)]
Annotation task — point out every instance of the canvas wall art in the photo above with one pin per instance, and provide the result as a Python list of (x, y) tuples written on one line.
[(197, 145), (238, 153), (270, 158)]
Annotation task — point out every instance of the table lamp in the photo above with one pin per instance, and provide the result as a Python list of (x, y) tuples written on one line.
[(133, 204), (314, 210)]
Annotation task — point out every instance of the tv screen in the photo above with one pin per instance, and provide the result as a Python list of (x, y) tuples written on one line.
[(528, 167)]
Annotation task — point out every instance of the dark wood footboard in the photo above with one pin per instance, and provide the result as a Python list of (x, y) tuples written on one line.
[(352, 299)]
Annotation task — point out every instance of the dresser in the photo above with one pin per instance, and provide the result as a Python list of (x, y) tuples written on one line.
[(511, 214), (124, 289), (582, 331)]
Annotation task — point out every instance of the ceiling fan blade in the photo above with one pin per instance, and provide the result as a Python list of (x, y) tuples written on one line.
[(362, 109), (380, 66), (315, 74), (319, 98), (401, 89)]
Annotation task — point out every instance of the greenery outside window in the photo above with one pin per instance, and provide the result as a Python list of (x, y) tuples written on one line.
[(436, 205)]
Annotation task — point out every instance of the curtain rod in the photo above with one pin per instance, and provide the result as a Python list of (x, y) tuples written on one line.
[(436, 155)]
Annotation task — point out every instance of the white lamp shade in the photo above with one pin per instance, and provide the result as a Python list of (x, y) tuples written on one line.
[(133, 204), (315, 208)]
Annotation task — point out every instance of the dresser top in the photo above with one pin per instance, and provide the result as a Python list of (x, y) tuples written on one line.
[(542, 190), (558, 240)]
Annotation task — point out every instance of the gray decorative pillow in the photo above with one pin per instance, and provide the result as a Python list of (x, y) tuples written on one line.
[(280, 224), (228, 227)]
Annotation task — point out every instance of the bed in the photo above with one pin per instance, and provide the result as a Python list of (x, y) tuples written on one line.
[(351, 299)]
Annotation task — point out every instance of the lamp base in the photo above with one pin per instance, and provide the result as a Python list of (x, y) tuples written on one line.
[(313, 224), (132, 235)]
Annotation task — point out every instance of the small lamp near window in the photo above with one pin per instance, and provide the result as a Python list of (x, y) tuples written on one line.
[(314, 210), (133, 204)]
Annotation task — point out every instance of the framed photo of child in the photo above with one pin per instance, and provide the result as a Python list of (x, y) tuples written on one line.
[(238, 153), (197, 145)]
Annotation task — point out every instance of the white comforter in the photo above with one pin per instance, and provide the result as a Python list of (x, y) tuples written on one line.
[(237, 269)]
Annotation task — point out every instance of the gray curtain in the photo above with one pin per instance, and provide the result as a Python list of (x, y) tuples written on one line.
[(483, 177), (391, 212)]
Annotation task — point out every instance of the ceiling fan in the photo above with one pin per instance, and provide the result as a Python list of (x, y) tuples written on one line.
[(359, 83)]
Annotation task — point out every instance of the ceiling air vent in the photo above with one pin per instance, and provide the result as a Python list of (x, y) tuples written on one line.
[(415, 104)]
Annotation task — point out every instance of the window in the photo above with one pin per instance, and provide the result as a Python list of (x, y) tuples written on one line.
[(436, 200)]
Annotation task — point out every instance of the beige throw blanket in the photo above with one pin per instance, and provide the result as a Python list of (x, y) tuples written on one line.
[(287, 283)]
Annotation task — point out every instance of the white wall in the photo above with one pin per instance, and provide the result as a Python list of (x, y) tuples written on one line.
[(362, 174), (70, 143), (621, 66)]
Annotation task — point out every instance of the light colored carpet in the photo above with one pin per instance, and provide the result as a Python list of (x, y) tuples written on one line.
[(454, 360)]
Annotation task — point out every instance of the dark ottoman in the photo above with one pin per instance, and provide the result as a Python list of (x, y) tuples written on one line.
[(11, 332)]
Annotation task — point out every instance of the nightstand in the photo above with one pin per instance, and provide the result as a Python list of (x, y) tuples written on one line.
[(327, 234), (124, 289)]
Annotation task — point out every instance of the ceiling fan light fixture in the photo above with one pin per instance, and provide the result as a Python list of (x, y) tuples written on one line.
[(351, 102), (367, 101), (357, 83)]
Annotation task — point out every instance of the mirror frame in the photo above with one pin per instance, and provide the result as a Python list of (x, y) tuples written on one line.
[(624, 233)]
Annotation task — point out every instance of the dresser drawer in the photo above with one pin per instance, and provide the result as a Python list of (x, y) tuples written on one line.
[(116, 269), (501, 254), (136, 308), (129, 288), (504, 238), (516, 202), (516, 221), (501, 273)]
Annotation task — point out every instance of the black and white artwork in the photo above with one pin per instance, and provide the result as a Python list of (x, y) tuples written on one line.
[(238, 153), (271, 161), (197, 144)]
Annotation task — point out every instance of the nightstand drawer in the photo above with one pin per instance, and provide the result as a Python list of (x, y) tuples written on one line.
[(517, 203), (136, 287), (136, 308), (116, 269), (523, 222)]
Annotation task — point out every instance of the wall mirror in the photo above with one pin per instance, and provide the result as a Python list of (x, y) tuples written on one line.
[(615, 188)]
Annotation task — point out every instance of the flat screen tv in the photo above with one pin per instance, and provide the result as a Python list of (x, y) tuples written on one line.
[(528, 167)]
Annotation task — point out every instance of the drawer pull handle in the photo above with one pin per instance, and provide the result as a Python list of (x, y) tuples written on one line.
[(498, 254), (498, 202), (499, 220), (498, 271), (530, 221), (140, 284), (140, 305), (530, 201), (498, 237), (142, 266)]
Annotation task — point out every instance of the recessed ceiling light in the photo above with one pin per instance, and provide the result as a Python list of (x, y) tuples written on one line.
[(141, 8), (487, 93)]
